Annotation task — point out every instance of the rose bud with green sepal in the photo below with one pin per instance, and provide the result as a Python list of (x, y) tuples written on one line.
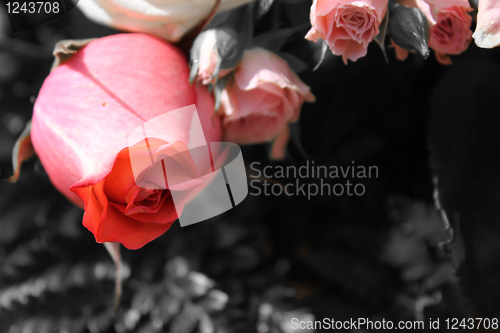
[(215, 53), (218, 49), (409, 28)]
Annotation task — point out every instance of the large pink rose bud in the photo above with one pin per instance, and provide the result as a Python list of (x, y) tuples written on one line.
[(347, 26), (263, 98), (83, 116), (168, 19), (487, 34)]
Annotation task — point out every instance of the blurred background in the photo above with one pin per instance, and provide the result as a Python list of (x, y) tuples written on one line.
[(386, 254)]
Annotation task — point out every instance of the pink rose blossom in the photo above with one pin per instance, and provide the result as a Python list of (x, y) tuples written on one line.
[(487, 34), (347, 26), (449, 23), (451, 33), (264, 97)]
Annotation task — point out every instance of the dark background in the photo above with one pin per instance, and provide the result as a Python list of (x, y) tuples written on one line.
[(381, 255)]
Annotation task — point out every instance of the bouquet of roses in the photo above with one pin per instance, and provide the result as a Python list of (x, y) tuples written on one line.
[(245, 92), (246, 89)]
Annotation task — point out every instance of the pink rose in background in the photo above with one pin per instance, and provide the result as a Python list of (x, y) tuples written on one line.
[(451, 34), (347, 26), (82, 119), (449, 23), (487, 34), (264, 97)]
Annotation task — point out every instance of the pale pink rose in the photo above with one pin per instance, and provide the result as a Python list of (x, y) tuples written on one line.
[(347, 26), (487, 34), (264, 97)]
